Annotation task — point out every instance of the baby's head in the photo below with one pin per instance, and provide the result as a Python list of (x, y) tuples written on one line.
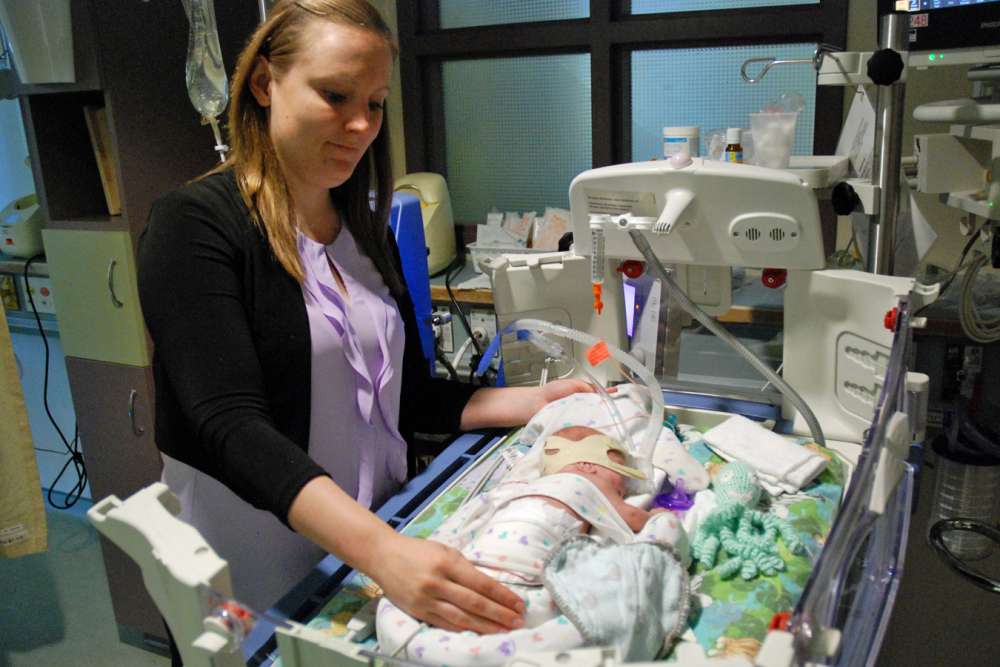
[(596, 456)]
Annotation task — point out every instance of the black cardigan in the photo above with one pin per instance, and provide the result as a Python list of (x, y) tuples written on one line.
[(232, 351)]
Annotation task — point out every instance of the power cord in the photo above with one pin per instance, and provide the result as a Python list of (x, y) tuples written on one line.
[(977, 326), (454, 269), (72, 447)]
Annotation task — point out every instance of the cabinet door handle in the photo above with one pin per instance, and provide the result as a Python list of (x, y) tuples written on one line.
[(111, 284), (136, 430)]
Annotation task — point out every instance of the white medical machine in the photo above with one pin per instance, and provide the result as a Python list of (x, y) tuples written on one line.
[(21, 227)]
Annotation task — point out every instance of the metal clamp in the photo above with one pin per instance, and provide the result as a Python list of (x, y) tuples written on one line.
[(936, 538), (816, 61), (136, 430), (111, 284)]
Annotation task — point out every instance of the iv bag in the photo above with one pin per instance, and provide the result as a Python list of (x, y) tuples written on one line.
[(205, 72)]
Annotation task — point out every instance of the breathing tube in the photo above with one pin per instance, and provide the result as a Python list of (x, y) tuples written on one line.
[(691, 307), (538, 331)]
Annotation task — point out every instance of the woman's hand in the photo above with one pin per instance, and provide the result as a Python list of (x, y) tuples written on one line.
[(436, 584), (553, 391), (515, 406)]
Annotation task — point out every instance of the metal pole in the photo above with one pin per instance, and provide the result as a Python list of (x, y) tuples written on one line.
[(262, 9), (888, 152)]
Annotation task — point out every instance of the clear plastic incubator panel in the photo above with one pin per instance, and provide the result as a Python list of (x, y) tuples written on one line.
[(842, 615)]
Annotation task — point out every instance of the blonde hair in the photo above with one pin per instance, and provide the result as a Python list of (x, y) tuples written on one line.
[(253, 159)]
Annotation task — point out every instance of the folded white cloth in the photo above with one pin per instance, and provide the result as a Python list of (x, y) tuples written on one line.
[(781, 466)]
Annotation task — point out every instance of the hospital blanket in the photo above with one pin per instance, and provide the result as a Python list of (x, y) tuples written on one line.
[(731, 617), (636, 595)]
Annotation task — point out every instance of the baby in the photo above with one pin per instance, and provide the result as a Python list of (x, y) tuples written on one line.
[(511, 531), (513, 545)]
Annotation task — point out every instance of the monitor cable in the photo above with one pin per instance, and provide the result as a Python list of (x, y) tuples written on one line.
[(72, 447)]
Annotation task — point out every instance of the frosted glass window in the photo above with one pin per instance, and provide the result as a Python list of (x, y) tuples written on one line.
[(465, 13), (664, 6), (702, 87), (517, 131)]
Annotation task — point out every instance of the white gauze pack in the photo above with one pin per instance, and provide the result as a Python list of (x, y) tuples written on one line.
[(591, 410)]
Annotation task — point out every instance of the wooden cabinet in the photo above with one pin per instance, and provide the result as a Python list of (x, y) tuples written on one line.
[(114, 407), (130, 61), (93, 274)]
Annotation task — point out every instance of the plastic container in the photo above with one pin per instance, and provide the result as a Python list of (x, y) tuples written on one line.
[(773, 136), (965, 489), (479, 253), (681, 140)]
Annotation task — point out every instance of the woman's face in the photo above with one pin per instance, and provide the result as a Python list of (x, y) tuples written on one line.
[(326, 108)]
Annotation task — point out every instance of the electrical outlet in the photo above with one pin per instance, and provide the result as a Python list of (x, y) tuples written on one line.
[(486, 321), (41, 294), (445, 332)]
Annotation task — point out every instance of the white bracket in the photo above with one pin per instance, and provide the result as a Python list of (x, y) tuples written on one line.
[(891, 462)]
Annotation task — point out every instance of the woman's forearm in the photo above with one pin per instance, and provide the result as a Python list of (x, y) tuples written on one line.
[(514, 406), (326, 515), (503, 406)]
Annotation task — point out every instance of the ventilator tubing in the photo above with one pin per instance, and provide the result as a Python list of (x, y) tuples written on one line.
[(644, 453), (692, 308)]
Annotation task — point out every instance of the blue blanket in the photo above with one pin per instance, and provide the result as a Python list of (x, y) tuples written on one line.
[(632, 596)]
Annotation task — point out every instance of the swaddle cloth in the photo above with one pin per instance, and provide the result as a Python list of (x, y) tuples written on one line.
[(592, 410), (575, 491), (521, 536), (633, 596), (781, 466)]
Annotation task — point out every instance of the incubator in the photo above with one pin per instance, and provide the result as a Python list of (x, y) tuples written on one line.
[(845, 392)]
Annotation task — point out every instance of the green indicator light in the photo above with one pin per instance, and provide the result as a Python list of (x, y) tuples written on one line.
[(991, 204), (931, 56)]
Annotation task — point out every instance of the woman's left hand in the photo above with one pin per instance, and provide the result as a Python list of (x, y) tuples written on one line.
[(514, 406), (553, 391)]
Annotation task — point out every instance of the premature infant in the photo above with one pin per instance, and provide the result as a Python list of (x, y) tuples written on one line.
[(514, 544), (510, 531)]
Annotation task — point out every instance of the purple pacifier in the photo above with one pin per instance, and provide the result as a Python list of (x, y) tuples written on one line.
[(677, 499)]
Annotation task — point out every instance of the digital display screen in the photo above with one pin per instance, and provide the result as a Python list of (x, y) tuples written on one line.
[(924, 5)]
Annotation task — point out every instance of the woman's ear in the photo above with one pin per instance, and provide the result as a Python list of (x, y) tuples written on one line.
[(260, 81)]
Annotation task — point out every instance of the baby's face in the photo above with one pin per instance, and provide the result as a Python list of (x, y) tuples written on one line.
[(613, 479)]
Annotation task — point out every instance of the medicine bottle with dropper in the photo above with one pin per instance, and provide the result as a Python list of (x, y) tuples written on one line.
[(734, 150)]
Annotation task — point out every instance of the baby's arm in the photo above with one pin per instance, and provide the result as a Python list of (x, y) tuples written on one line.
[(635, 517)]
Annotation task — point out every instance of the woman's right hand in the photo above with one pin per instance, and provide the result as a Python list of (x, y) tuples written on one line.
[(436, 584)]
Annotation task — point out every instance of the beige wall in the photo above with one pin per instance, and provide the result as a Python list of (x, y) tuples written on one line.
[(922, 86)]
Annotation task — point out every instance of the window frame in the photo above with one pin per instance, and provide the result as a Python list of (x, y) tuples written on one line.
[(610, 36)]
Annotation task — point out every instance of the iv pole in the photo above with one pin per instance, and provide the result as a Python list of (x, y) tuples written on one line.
[(884, 68)]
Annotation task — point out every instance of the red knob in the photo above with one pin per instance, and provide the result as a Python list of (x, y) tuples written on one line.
[(780, 621), (632, 268), (44, 291), (890, 318), (773, 278)]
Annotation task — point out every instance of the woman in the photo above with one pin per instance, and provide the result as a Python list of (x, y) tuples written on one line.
[(287, 361)]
